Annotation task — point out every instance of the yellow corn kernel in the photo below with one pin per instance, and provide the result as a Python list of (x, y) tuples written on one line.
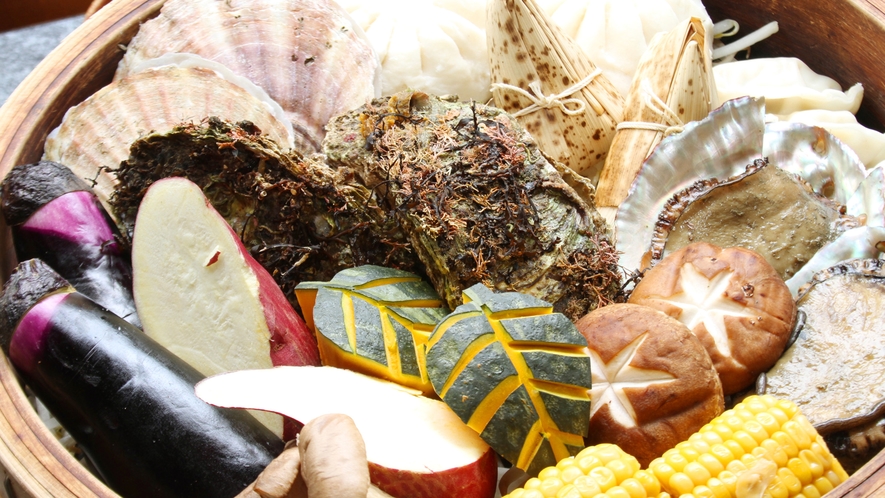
[(697, 473), (823, 485), (789, 480), (617, 492), (762, 443), (797, 434), (703, 492), (774, 452), (586, 486), (587, 462), (676, 460), (722, 453), (661, 469), (649, 482), (633, 487), (744, 439), (735, 448), (592, 472), (621, 469), (548, 472), (768, 422), (811, 492), (568, 491), (719, 488), (680, 484), (570, 473), (550, 486), (711, 463), (786, 443), (729, 479), (604, 477), (800, 470), (532, 483)]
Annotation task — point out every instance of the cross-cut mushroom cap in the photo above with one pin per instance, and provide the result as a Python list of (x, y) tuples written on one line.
[(731, 299), (653, 383)]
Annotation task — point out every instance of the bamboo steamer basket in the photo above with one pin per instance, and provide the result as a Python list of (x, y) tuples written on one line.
[(843, 39)]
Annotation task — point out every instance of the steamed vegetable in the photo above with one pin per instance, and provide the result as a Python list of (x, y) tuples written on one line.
[(55, 216), (128, 402), (228, 313)]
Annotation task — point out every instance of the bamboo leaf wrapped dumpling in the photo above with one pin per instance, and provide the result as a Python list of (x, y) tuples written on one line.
[(615, 33)]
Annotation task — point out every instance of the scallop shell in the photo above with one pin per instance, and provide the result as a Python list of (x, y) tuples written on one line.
[(309, 55), (96, 134)]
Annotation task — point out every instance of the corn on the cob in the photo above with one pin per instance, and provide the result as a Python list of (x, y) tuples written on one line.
[(603, 468), (763, 447)]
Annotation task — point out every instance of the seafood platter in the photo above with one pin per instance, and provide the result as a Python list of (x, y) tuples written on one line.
[(447, 248)]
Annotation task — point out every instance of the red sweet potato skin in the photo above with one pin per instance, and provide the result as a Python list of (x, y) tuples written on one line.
[(476, 480)]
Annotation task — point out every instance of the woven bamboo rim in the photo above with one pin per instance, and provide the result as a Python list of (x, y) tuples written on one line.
[(86, 60)]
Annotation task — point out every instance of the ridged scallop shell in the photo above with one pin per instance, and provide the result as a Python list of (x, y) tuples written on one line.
[(308, 55), (96, 134)]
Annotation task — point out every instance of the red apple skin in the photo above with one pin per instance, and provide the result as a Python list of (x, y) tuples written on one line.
[(476, 480)]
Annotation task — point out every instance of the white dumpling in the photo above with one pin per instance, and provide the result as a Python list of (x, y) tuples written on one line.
[(615, 33), (787, 84), (868, 144), (435, 46)]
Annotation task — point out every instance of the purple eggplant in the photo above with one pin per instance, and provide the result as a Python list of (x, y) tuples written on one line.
[(127, 401), (55, 216)]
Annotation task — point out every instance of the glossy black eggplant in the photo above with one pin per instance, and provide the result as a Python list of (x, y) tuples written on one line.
[(55, 216), (126, 400)]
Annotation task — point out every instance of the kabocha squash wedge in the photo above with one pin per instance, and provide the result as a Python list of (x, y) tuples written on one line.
[(515, 372), (374, 320)]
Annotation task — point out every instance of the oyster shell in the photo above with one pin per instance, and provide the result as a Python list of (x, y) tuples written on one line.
[(300, 219), (479, 201), (765, 209), (308, 55), (94, 136), (825, 162), (718, 146), (833, 371)]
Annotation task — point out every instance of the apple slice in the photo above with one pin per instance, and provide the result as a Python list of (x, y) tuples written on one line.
[(200, 293), (417, 447)]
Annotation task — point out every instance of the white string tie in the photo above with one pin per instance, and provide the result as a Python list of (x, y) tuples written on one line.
[(541, 101), (672, 122)]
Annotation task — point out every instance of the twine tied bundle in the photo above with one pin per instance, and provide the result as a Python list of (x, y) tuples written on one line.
[(527, 49), (673, 86)]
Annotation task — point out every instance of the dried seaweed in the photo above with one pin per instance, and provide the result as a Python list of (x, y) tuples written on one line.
[(479, 201), (300, 219)]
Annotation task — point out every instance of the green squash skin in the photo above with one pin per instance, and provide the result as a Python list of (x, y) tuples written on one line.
[(130, 404), (551, 399), (328, 316), (367, 324)]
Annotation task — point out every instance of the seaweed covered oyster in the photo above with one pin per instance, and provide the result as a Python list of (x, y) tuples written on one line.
[(301, 219), (95, 135), (479, 201), (833, 371), (765, 209), (309, 55)]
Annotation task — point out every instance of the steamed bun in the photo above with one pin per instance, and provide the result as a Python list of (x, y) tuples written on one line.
[(434, 46)]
